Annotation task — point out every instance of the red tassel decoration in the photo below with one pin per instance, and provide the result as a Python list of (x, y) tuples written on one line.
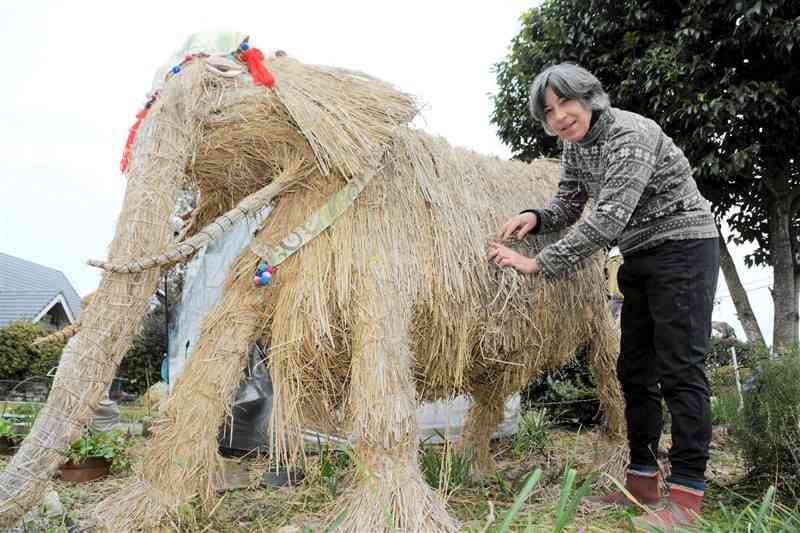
[(123, 165), (255, 64)]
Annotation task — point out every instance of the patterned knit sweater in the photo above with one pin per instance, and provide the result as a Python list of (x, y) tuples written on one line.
[(642, 189)]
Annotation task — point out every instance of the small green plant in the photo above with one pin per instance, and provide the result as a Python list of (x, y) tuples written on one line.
[(27, 413), (446, 466), (568, 501), (6, 430), (531, 438), (333, 464), (111, 445)]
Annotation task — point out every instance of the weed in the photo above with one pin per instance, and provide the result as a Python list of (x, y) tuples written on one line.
[(531, 438), (333, 465), (763, 516), (445, 467), (725, 407)]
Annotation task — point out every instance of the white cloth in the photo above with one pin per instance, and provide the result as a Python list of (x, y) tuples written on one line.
[(213, 43)]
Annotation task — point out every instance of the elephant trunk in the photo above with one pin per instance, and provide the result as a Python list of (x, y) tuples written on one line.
[(108, 325)]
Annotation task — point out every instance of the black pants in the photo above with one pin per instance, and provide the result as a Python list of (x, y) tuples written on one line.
[(666, 325)]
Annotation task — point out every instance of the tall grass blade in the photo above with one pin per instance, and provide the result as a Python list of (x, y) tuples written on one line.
[(520, 499), (566, 490), (763, 509)]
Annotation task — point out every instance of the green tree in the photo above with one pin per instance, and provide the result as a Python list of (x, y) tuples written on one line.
[(19, 359), (721, 77), (142, 364)]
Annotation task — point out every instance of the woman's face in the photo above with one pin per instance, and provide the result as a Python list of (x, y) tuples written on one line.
[(567, 118)]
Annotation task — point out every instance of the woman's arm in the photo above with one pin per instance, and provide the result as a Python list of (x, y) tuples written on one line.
[(630, 163)]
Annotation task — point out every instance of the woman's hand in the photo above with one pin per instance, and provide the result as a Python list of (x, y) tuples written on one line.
[(503, 256), (521, 224)]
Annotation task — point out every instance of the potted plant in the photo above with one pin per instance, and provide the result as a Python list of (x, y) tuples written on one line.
[(8, 438), (92, 455)]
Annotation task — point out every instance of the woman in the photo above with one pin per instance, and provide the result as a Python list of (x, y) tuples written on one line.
[(645, 200)]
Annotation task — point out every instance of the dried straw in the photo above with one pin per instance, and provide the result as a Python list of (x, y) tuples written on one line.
[(393, 303), (181, 459)]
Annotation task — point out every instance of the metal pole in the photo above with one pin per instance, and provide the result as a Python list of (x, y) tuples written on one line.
[(738, 380), (166, 312)]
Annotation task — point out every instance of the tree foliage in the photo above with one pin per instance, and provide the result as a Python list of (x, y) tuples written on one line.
[(141, 366), (142, 363), (19, 359), (721, 77)]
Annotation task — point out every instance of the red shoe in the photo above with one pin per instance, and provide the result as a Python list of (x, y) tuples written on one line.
[(643, 487), (683, 505)]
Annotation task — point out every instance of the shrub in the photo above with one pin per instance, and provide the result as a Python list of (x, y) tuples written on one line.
[(142, 363), (725, 407), (724, 377), (719, 353), (19, 359), (768, 429), (569, 393)]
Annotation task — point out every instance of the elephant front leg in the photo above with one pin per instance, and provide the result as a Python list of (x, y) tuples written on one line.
[(389, 493), (181, 460)]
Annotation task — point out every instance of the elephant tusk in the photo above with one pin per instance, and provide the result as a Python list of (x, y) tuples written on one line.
[(183, 251)]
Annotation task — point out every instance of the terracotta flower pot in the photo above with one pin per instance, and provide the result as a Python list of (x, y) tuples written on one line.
[(91, 468)]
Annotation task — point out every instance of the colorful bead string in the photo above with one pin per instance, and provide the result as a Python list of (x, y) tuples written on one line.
[(264, 274)]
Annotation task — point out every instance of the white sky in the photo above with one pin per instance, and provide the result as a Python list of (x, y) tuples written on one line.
[(75, 74)]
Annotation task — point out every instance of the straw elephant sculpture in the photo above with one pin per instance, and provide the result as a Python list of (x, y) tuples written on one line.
[(392, 303)]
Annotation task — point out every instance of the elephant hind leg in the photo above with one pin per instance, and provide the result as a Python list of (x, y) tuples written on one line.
[(484, 417), (604, 350)]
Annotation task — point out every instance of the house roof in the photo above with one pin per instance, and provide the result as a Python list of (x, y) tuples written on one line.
[(28, 289)]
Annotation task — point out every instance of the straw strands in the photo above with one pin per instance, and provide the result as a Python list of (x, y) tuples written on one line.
[(393, 303)]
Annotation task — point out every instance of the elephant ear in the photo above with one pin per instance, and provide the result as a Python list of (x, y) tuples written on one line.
[(347, 117)]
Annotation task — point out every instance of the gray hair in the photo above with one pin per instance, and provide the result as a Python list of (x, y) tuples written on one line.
[(569, 81)]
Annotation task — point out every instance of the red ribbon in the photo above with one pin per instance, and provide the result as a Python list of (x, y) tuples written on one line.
[(123, 165), (255, 64)]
